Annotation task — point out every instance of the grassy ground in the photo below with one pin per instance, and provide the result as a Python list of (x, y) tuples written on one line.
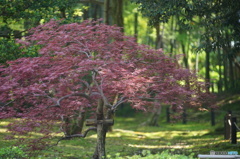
[(130, 137)]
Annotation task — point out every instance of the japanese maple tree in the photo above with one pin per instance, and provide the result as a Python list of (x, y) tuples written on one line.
[(88, 67)]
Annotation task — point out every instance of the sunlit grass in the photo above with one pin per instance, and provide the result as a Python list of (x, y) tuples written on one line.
[(129, 136)]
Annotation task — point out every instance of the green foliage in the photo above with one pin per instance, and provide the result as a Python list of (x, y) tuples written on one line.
[(29, 8), (10, 50), (12, 152), (148, 155)]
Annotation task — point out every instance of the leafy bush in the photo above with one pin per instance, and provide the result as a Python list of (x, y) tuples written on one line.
[(147, 155), (15, 152)]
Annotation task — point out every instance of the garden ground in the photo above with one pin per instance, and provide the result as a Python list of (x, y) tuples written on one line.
[(130, 137)]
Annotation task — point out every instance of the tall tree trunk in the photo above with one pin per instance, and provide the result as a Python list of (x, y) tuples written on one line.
[(207, 60), (117, 13), (159, 41), (225, 71), (231, 72), (86, 12), (136, 26), (207, 65), (185, 57), (94, 10), (172, 40), (207, 70), (220, 82), (106, 12), (197, 62)]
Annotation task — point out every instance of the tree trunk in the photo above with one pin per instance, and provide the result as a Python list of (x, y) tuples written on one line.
[(106, 12), (225, 72), (136, 26), (220, 82), (207, 73), (159, 40), (100, 152), (184, 116), (231, 72), (156, 114), (63, 12), (172, 40), (101, 136), (95, 8), (117, 13), (86, 12), (74, 125), (155, 117)]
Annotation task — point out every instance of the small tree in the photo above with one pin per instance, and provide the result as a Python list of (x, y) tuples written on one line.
[(88, 67)]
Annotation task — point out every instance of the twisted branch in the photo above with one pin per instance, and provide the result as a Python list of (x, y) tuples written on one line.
[(74, 94), (77, 135)]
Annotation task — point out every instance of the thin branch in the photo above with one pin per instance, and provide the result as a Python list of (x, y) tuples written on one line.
[(122, 100), (3, 104), (86, 53), (74, 94), (100, 89), (77, 135), (85, 83), (47, 96), (73, 136)]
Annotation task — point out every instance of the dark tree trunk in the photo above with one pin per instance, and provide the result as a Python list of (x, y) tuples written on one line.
[(207, 73), (159, 40), (136, 26), (86, 12), (95, 11), (106, 12), (117, 13), (231, 72), (225, 71), (172, 40), (74, 125), (155, 117), (156, 114), (220, 82), (100, 152), (63, 12), (184, 116)]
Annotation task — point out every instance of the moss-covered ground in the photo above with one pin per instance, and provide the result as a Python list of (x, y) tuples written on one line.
[(130, 136)]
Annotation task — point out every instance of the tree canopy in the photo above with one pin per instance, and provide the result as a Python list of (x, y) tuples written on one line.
[(82, 64), (216, 21)]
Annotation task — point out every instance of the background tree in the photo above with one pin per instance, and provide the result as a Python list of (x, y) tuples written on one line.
[(219, 21)]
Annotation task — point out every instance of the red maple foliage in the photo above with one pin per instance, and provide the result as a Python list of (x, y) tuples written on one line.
[(80, 64)]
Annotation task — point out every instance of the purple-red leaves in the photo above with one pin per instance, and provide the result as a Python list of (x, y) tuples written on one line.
[(82, 63)]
